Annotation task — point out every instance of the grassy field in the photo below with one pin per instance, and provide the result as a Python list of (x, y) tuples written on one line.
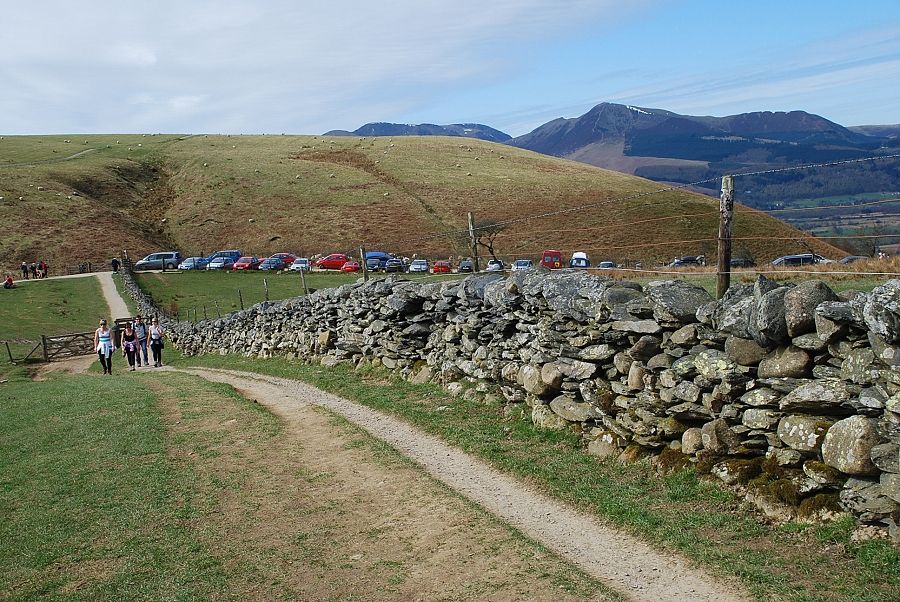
[(311, 194), (794, 561), (53, 306), (182, 292)]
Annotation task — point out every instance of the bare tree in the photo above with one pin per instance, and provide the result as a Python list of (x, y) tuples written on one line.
[(486, 233)]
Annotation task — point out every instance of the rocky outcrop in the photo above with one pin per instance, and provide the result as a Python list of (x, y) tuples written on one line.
[(790, 375)]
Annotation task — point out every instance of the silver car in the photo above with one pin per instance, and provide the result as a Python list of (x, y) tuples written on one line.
[(522, 264)]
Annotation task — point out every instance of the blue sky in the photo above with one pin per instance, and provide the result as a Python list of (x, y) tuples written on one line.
[(306, 67)]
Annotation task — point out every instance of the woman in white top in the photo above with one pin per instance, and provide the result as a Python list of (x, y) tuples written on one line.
[(156, 342), (104, 346)]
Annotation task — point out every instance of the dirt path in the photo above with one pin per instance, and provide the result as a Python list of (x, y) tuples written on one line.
[(117, 306), (626, 564)]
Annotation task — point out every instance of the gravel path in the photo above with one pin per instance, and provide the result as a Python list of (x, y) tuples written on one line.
[(626, 564), (117, 306)]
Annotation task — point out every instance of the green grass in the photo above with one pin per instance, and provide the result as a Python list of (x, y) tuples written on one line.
[(183, 292), (91, 506), (52, 306), (680, 512)]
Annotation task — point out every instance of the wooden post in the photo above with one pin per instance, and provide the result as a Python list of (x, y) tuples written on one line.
[(474, 242), (218, 313), (205, 315), (241, 299), (44, 345), (365, 267), (303, 282), (266, 286), (9, 353), (726, 211)]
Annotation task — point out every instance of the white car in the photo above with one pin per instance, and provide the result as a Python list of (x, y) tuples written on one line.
[(418, 265), (495, 265), (522, 264), (301, 264), (607, 265)]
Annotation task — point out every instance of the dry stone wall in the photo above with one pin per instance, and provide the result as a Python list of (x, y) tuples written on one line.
[(789, 393)]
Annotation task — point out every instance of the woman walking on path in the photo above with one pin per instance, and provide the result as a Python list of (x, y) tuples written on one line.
[(104, 346), (129, 345), (156, 342)]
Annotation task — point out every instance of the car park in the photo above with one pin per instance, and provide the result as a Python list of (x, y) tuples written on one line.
[(418, 266), (351, 266), (272, 263), (607, 265), (335, 261), (522, 264), (551, 259), (301, 264), (394, 265), (495, 265), (193, 263), (248, 262), (221, 262), (465, 266), (800, 259), (165, 260), (688, 261), (441, 267), (579, 260)]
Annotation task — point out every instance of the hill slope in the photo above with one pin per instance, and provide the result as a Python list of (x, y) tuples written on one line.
[(313, 194)]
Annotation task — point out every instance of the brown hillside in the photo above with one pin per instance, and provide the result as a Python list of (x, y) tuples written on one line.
[(313, 194)]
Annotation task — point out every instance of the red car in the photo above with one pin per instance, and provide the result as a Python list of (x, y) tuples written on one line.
[(441, 267), (551, 259), (350, 266), (335, 261), (246, 263), (286, 258)]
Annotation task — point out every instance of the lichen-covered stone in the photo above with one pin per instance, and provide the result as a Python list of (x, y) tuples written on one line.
[(718, 437), (848, 445), (858, 366), (762, 397), (886, 457), (745, 352), (803, 433), (790, 362), (543, 417), (568, 408), (881, 311), (607, 445), (713, 364), (825, 396), (760, 418), (800, 306)]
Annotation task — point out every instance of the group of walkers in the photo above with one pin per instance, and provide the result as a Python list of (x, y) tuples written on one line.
[(37, 269), (135, 338)]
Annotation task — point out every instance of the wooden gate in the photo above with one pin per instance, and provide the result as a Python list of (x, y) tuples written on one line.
[(67, 345)]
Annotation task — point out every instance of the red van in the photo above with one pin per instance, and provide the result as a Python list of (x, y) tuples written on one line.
[(552, 259)]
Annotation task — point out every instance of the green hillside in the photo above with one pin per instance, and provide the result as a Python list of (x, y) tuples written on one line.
[(72, 198)]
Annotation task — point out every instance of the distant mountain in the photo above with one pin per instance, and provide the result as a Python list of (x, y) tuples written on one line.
[(883, 131), (665, 146), (464, 130)]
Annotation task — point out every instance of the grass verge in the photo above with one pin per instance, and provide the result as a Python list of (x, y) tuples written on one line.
[(678, 512)]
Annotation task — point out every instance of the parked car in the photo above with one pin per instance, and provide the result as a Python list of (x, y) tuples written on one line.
[(742, 262), (607, 265), (351, 266), (301, 264), (232, 253), (522, 264), (286, 258), (375, 260), (222, 262), (551, 259), (193, 263), (579, 260), (495, 265), (335, 261), (246, 263), (465, 265), (688, 260), (394, 265), (441, 267), (168, 260), (852, 258), (800, 259), (418, 266), (272, 263)]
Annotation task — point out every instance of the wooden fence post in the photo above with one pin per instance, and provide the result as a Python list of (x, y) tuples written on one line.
[(303, 282), (9, 353), (241, 299), (474, 241), (365, 268), (726, 211), (266, 286), (44, 346)]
